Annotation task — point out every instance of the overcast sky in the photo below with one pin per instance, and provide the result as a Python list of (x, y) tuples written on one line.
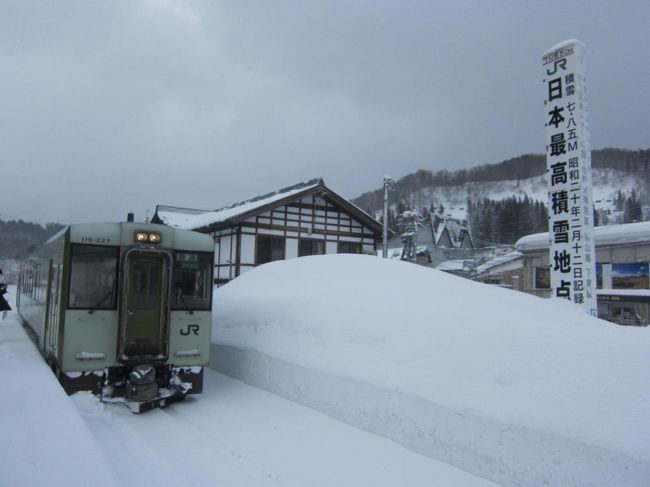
[(115, 106)]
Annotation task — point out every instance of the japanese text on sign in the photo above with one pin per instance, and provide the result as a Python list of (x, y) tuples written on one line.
[(568, 156)]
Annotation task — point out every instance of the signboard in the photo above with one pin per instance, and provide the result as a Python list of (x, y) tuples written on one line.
[(568, 159)]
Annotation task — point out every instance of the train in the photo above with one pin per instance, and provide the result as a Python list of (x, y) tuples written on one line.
[(122, 310)]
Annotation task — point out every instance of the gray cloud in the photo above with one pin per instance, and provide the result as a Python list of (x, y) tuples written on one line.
[(109, 107)]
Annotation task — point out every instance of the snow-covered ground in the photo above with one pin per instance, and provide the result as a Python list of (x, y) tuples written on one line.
[(517, 389), (232, 435), (402, 367)]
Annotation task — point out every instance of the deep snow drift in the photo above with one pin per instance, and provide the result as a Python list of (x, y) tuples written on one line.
[(232, 435), (514, 388)]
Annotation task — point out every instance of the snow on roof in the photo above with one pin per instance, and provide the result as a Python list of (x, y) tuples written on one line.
[(500, 260), (452, 265), (188, 219), (624, 292), (625, 233)]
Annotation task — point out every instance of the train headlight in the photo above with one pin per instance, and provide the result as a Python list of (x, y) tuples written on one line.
[(151, 237)]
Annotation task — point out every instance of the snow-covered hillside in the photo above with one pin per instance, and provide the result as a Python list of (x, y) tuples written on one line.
[(606, 184), (517, 389)]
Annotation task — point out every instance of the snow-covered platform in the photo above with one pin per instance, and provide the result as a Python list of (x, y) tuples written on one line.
[(514, 388), (43, 439), (233, 435)]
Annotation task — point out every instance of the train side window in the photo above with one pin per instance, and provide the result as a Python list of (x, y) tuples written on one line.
[(192, 279), (93, 277)]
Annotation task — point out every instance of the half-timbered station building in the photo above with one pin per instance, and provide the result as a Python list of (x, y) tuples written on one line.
[(305, 219)]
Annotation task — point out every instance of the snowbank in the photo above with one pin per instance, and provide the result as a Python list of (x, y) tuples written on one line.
[(44, 441), (508, 386)]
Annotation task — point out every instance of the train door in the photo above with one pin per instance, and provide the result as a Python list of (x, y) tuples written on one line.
[(144, 314), (52, 313)]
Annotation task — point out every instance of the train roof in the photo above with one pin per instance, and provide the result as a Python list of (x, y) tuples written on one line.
[(122, 233)]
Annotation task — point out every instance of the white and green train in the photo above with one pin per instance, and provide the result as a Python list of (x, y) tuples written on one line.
[(122, 310)]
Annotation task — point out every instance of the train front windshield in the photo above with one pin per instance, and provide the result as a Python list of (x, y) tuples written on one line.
[(192, 276), (93, 275)]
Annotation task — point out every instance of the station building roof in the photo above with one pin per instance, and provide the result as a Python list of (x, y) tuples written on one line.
[(622, 234), (196, 219)]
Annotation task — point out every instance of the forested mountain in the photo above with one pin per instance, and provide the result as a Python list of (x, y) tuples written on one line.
[(505, 201), (18, 238)]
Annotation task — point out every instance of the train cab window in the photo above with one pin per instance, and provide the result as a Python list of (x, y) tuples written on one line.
[(93, 277), (192, 278)]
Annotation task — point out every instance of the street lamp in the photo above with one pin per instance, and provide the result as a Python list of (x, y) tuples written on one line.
[(388, 185)]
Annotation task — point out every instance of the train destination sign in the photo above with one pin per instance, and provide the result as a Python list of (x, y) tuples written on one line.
[(568, 159)]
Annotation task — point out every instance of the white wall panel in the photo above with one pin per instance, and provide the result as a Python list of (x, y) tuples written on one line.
[(247, 249), (224, 255), (265, 231), (291, 249)]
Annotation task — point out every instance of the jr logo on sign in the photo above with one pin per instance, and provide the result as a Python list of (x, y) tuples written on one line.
[(191, 329)]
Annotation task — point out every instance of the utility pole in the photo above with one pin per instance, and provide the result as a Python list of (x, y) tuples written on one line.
[(388, 185)]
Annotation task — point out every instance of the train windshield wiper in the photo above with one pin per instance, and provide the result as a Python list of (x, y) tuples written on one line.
[(180, 297), (96, 306)]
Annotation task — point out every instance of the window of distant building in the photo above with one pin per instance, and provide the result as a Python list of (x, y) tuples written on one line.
[(269, 249), (542, 278), (308, 246), (349, 248)]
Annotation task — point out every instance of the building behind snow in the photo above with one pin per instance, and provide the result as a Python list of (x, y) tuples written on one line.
[(622, 261), (305, 219), (439, 239)]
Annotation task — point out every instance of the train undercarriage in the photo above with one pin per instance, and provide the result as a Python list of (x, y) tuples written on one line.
[(140, 387)]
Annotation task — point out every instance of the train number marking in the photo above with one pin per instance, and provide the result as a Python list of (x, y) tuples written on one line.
[(191, 329), (95, 240)]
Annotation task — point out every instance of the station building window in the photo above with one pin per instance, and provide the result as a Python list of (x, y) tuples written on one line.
[(307, 246), (542, 278), (268, 249), (349, 248)]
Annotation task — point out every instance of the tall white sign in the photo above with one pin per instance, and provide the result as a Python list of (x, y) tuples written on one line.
[(568, 159)]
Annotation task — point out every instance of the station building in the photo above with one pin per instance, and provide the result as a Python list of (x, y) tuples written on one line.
[(305, 219), (622, 260)]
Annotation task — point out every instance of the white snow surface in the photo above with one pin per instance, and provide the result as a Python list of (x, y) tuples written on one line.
[(508, 387), (624, 233), (497, 261), (43, 440), (232, 435), (515, 388)]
